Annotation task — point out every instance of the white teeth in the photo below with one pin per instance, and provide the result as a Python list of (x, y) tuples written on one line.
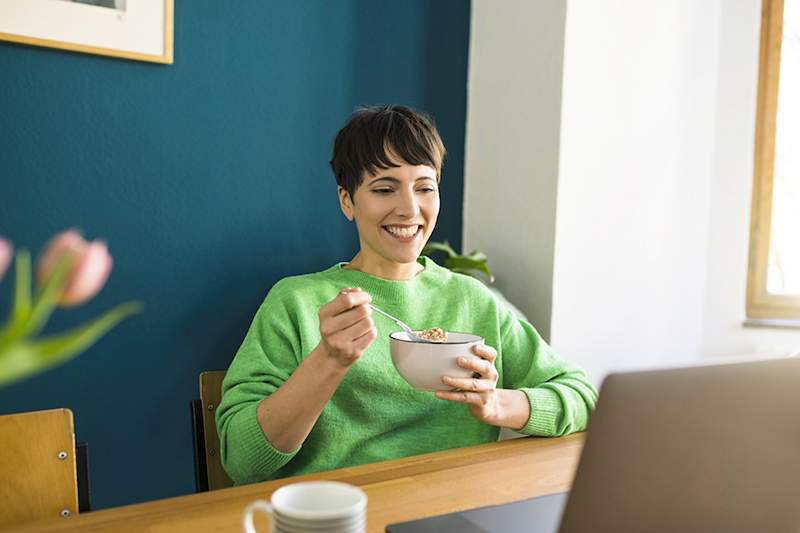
[(403, 231)]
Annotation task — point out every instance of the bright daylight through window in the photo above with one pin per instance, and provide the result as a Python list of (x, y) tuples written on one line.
[(774, 272), (783, 273)]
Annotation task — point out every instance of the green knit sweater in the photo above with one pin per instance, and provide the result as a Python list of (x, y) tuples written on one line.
[(374, 414)]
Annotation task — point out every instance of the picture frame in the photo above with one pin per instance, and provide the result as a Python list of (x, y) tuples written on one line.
[(132, 29)]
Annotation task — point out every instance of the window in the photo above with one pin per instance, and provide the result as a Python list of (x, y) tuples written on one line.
[(773, 285)]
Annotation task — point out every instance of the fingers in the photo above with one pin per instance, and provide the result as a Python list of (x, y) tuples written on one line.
[(473, 398), (330, 325), (346, 326), (470, 384), (346, 299), (365, 340), (473, 391), (483, 367), (348, 344), (353, 332), (485, 352), (350, 307)]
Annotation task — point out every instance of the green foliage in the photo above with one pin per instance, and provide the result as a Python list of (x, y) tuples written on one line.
[(22, 354), (473, 264)]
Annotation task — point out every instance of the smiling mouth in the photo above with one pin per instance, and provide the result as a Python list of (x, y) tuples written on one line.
[(403, 233)]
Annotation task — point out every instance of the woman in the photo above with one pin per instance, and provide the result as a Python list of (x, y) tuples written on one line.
[(313, 388)]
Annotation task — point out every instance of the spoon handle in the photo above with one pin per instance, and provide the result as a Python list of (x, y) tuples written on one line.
[(397, 321)]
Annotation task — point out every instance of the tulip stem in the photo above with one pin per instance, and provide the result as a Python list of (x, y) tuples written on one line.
[(28, 319), (22, 287), (22, 298)]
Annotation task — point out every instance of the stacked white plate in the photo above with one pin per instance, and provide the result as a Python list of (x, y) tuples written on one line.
[(288, 525)]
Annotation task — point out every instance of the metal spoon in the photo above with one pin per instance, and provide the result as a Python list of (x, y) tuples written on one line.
[(413, 336)]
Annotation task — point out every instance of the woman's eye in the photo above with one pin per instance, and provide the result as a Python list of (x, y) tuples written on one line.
[(382, 191), (427, 190)]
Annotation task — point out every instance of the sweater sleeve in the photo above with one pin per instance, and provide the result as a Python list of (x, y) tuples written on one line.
[(267, 357), (559, 393)]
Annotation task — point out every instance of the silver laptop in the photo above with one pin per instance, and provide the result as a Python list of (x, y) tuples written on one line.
[(706, 449)]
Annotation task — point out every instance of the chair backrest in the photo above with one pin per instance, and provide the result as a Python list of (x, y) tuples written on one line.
[(213, 476), (38, 466)]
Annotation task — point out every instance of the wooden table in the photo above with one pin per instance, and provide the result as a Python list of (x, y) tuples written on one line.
[(398, 490)]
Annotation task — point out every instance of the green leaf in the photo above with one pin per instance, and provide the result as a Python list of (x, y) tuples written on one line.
[(470, 264), (462, 263), (47, 296), (22, 286), (468, 272), (21, 311), (23, 359), (433, 247), (16, 362), (22, 297), (477, 256), (64, 345)]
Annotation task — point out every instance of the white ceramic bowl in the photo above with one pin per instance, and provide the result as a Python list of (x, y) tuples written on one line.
[(422, 364)]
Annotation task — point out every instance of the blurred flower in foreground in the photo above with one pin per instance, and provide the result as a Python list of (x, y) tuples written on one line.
[(69, 271), (92, 265), (6, 253)]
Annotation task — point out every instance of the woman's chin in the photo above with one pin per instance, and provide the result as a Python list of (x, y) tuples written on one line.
[(407, 256)]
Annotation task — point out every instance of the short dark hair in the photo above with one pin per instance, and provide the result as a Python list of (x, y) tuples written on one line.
[(370, 132)]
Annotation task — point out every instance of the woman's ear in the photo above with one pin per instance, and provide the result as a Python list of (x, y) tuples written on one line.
[(346, 203)]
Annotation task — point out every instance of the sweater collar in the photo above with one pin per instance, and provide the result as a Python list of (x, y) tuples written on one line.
[(423, 260)]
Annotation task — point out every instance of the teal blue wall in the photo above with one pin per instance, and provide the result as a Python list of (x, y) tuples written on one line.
[(209, 179)]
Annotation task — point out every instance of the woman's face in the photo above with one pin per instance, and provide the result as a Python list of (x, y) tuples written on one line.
[(395, 212)]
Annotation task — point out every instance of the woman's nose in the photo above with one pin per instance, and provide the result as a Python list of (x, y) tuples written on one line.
[(408, 205)]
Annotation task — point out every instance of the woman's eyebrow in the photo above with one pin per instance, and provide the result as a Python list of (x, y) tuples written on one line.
[(395, 180), (385, 178)]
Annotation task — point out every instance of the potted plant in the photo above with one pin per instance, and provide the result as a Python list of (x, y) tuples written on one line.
[(474, 265)]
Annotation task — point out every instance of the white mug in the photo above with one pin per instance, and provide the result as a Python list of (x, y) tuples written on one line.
[(329, 506)]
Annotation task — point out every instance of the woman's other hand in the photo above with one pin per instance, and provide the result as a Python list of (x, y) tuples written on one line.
[(480, 391)]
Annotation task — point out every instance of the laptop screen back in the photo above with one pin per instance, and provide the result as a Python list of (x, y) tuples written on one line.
[(712, 448)]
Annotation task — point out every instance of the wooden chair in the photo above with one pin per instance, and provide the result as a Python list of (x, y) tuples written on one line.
[(44, 473), (208, 471)]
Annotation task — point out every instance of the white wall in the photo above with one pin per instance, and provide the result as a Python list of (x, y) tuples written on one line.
[(634, 188), (653, 175), (513, 115)]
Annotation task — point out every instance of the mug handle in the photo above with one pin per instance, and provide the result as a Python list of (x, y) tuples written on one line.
[(247, 520)]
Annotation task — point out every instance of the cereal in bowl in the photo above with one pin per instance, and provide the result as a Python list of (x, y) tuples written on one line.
[(434, 335)]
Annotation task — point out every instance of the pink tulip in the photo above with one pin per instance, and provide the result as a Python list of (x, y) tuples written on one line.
[(6, 253), (91, 267)]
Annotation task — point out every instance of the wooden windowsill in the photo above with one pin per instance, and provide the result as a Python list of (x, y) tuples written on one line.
[(776, 323)]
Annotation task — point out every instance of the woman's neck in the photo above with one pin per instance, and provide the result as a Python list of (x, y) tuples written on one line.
[(381, 268)]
